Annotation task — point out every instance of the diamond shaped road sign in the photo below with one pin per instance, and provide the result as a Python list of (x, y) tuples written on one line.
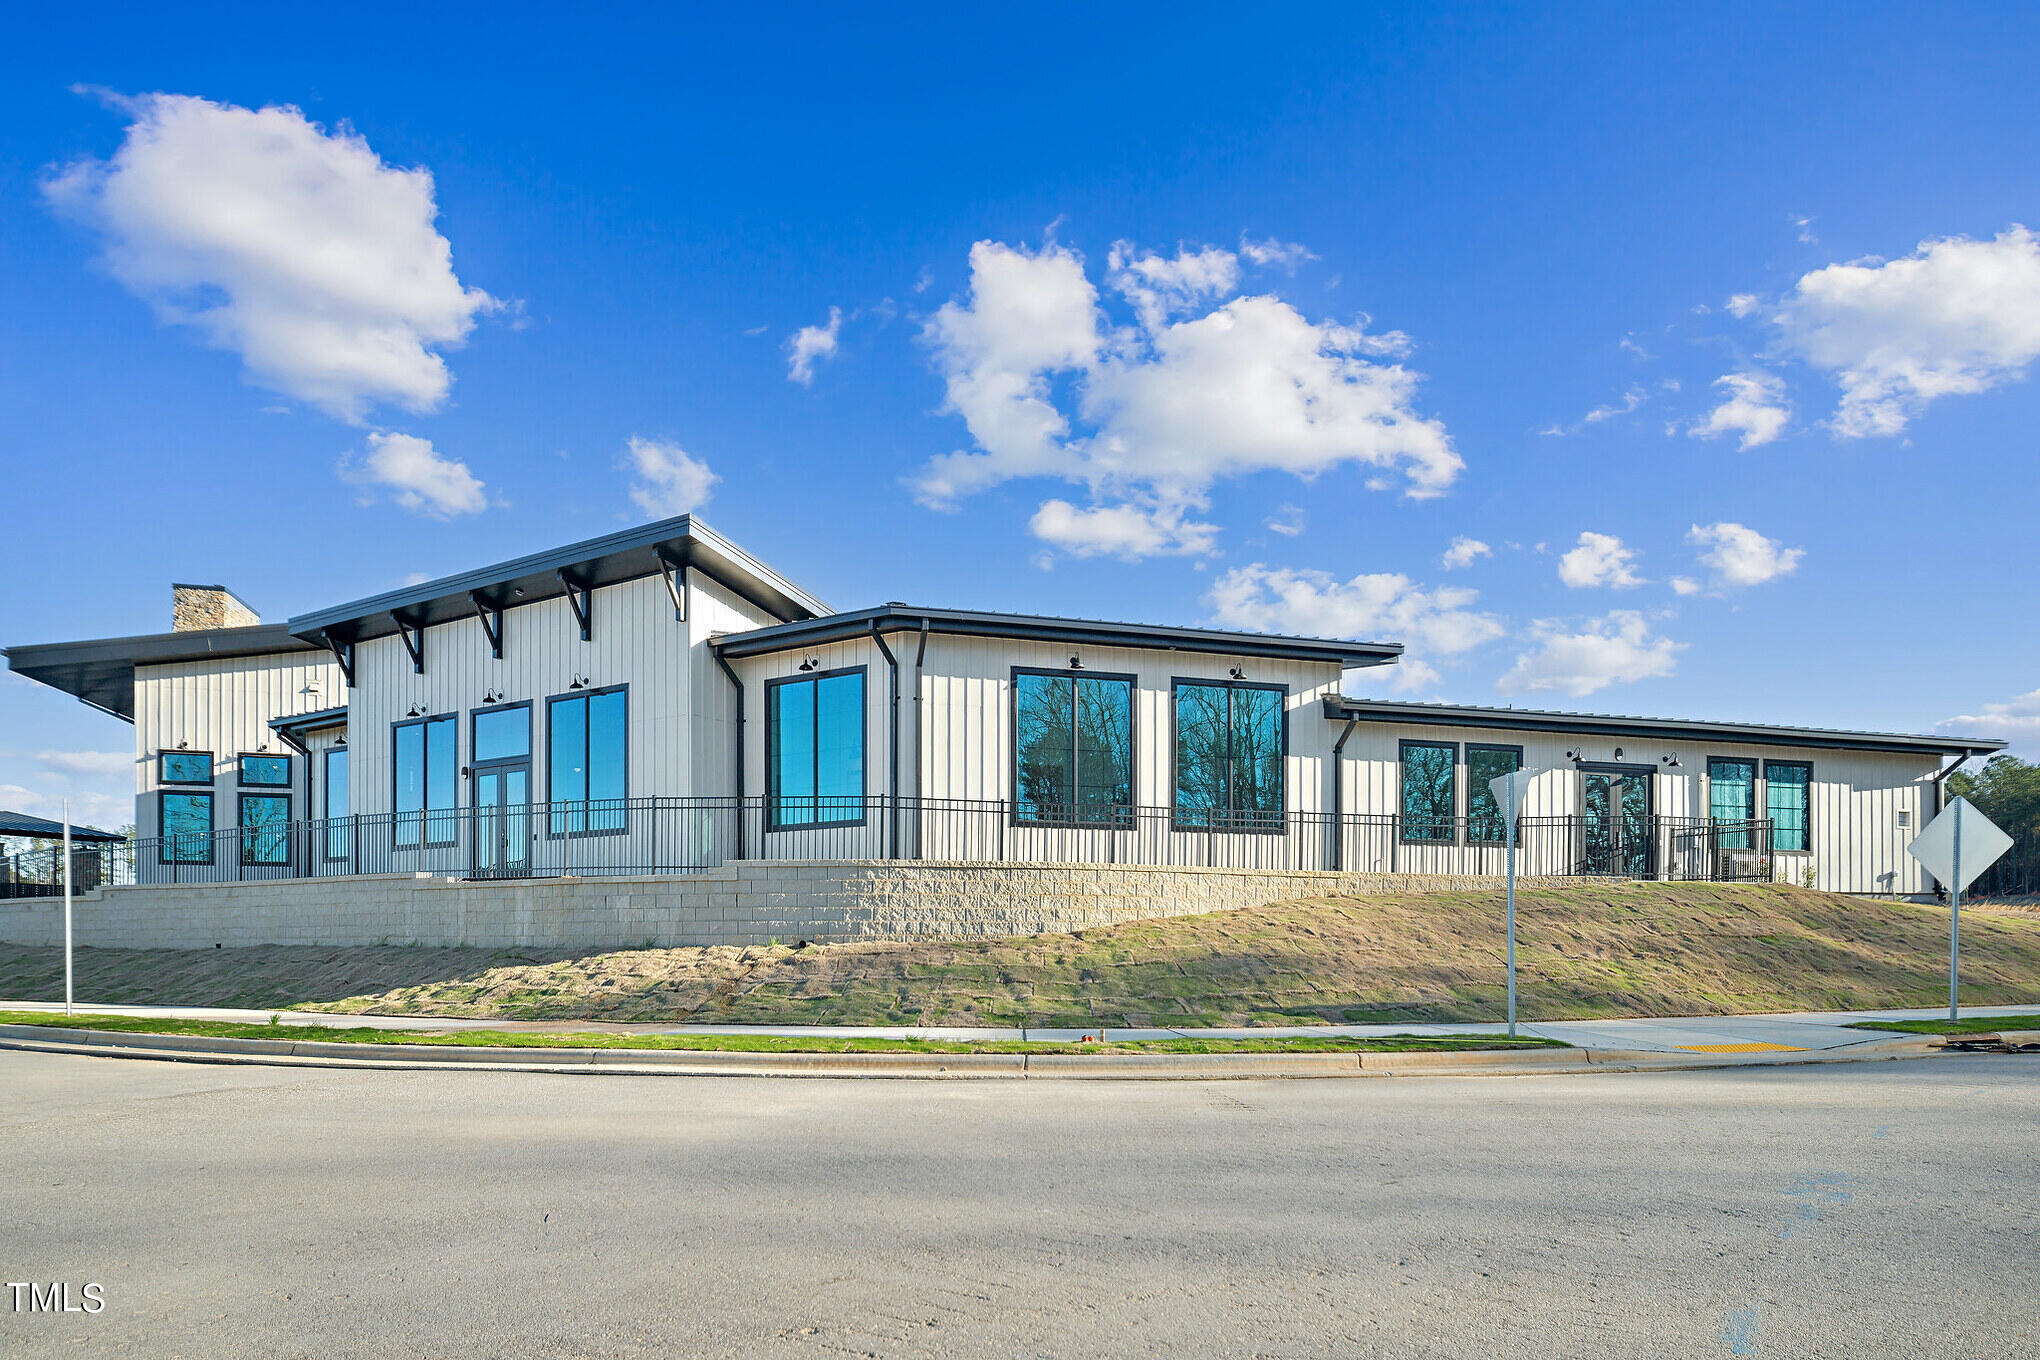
[(1982, 843)]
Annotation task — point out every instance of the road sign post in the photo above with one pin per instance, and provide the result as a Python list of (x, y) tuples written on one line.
[(1508, 791), (67, 906), (1955, 847)]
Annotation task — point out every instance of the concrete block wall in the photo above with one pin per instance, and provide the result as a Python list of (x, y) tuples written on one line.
[(748, 902)]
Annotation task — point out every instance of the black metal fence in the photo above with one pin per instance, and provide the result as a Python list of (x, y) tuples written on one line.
[(40, 872), (640, 836)]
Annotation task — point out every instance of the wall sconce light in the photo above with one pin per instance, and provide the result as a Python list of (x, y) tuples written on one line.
[(1573, 756), (809, 664), (578, 683), (1618, 753), (184, 746), (492, 697), (413, 711), (1238, 673), (1671, 761), (341, 740), (1076, 663)]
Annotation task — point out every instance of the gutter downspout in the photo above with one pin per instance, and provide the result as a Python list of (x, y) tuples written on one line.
[(1939, 782), (1339, 798), (892, 743), (919, 656), (738, 685)]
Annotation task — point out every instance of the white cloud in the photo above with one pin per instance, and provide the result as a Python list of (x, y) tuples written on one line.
[(1958, 316), (1168, 407), (1803, 227), (1742, 304), (1284, 254), (1740, 556), (1599, 560), (810, 345), (1463, 553), (1386, 605), (421, 478), (669, 482), (2017, 720), (1124, 531), (1615, 649), (87, 763), (296, 248), (1684, 585), (1755, 408), (1631, 399), (1288, 523)]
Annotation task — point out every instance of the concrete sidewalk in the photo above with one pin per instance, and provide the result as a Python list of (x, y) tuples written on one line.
[(1805, 1031)]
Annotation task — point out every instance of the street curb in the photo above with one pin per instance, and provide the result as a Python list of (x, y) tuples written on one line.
[(925, 1066)]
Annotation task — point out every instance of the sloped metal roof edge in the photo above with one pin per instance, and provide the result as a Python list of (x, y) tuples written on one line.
[(896, 617), (718, 559), (1670, 729)]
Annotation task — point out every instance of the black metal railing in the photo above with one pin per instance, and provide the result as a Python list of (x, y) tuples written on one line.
[(641, 836), (39, 872)]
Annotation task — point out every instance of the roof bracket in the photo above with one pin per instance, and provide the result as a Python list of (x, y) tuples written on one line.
[(343, 652), (674, 569), (491, 615), (581, 599), (412, 630)]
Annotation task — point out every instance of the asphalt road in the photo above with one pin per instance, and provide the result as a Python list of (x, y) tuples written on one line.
[(1886, 1209)]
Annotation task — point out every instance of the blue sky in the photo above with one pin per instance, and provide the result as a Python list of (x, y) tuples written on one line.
[(1709, 331)]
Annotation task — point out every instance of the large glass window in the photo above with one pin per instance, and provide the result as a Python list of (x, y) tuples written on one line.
[(1429, 800), (1073, 749), (1732, 797), (265, 822), (338, 828), (1229, 749), (265, 772), (425, 781), (1484, 765), (184, 767), (814, 767), (502, 734), (587, 751), (186, 828), (1786, 786)]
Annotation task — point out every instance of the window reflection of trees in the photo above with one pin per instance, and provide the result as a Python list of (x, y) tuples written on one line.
[(1073, 762), (1229, 752)]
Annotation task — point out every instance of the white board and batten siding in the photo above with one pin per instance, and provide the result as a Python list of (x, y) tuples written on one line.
[(1864, 806), (678, 708), (224, 706), (956, 744)]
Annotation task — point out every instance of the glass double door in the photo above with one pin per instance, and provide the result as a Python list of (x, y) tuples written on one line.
[(503, 821), (1617, 833)]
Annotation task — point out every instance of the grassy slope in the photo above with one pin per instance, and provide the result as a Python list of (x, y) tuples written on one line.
[(1584, 950), (758, 1043), (1967, 1024)]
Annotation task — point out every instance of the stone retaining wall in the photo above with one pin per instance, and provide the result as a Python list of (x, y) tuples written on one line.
[(747, 902)]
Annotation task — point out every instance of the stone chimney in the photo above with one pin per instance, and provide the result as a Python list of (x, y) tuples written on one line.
[(195, 607)]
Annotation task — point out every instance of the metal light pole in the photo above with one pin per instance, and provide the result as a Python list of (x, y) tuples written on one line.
[(1955, 915), (1509, 819), (67, 906)]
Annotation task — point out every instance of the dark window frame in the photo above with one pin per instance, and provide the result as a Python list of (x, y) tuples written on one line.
[(241, 779), (211, 835), (212, 771), (1176, 814), (1807, 766), (1756, 775), (772, 796), (241, 801), (1074, 823), (623, 802), (1466, 762), (1402, 821), (475, 762), (426, 811), (325, 803)]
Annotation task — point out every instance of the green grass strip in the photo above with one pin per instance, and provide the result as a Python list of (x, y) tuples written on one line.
[(1968, 1024), (760, 1043)]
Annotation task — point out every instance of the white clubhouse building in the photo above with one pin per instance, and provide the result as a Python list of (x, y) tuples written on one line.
[(659, 702)]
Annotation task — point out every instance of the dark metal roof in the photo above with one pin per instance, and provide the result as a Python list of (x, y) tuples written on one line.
[(1647, 729), (310, 722), (42, 828), (898, 618), (102, 671), (625, 556)]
